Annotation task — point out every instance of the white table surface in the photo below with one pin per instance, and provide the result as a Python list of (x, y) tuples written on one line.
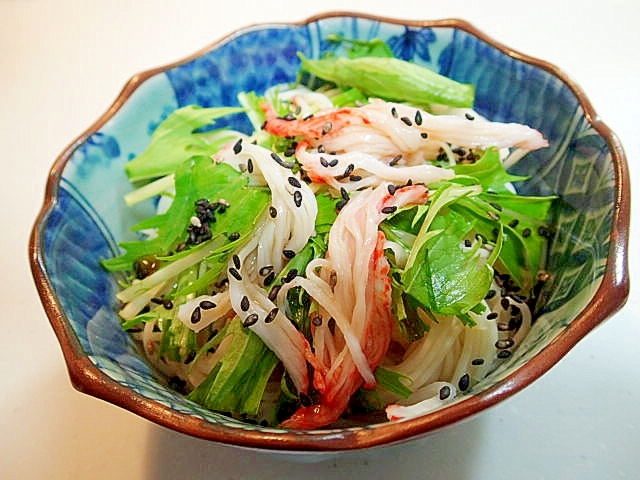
[(62, 63)]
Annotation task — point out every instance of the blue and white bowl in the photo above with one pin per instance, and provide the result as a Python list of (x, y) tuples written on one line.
[(83, 215)]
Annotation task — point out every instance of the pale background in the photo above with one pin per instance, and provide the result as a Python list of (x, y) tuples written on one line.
[(62, 63)]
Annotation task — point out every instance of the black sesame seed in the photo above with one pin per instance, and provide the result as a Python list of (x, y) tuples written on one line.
[(445, 392), (504, 303), (326, 128), (333, 162), (273, 293), (407, 121), (250, 166), (504, 354), (250, 320), (235, 274), (316, 319), (320, 148), (297, 198), (294, 182), (168, 304), (514, 223), (394, 112), (269, 278), (355, 178), (293, 273), (424, 134), (463, 383), (234, 236), (273, 212), (196, 315), (207, 305), (391, 188), (395, 160), (526, 232), (515, 310), (343, 193), (490, 294), (492, 316), (323, 162), (281, 162), (477, 361), (387, 210), (244, 303), (515, 323), (332, 325), (288, 253), (418, 118), (340, 205), (467, 243), (236, 261), (469, 116), (347, 171), (237, 147), (271, 316)]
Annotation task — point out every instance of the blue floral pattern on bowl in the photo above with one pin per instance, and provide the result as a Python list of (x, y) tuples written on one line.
[(88, 215)]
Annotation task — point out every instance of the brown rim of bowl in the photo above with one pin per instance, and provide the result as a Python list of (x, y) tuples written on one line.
[(609, 298)]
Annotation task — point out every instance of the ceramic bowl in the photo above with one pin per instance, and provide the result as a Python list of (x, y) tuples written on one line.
[(83, 215)]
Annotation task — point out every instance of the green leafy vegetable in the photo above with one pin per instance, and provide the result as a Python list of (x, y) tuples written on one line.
[(363, 48), (448, 278), (196, 178), (489, 171), (175, 140), (391, 79), (237, 384)]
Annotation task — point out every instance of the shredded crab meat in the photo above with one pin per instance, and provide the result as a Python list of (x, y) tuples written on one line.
[(287, 226), (304, 102), (367, 168), (363, 153), (384, 141), (256, 312), (353, 289), (448, 350), (295, 207), (386, 129), (434, 397), (464, 131), (209, 308)]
